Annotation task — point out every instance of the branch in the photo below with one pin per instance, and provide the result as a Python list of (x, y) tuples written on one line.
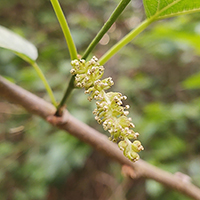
[(67, 122)]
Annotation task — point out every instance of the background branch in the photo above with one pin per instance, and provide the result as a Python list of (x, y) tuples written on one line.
[(38, 106)]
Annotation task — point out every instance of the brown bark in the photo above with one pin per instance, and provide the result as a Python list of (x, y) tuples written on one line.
[(100, 142)]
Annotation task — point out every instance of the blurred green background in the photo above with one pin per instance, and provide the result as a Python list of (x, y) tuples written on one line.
[(159, 73)]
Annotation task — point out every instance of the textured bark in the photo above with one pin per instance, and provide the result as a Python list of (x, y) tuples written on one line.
[(100, 142)]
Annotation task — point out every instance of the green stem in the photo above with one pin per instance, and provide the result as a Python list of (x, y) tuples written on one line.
[(121, 6), (65, 97), (65, 29), (71, 46), (124, 41), (42, 77)]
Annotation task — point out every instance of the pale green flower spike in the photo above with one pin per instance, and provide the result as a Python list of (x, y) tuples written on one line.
[(109, 112)]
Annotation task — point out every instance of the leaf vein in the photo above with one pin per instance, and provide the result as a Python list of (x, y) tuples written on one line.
[(167, 7), (180, 12)]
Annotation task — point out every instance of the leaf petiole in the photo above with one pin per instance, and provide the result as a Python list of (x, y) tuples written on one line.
[(65, 29), (42, 77), (124, 41), (119, 9)]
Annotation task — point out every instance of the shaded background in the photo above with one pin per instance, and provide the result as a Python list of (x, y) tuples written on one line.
[(158, 71)]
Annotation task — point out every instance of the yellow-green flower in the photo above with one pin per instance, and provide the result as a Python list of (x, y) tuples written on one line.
[(109, 111)]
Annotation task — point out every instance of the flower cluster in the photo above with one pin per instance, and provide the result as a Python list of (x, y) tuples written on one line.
[(109, 112)]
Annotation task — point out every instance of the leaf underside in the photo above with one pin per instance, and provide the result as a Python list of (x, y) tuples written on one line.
[(160, 9), (23, 48)]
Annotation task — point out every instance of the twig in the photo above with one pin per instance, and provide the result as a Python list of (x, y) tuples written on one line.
[(38, 106)]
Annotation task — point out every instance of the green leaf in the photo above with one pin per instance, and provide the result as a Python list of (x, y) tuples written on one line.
[(192, 82), (11, 41), (161, 9)]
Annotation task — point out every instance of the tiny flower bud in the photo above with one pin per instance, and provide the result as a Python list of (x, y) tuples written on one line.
[(132, 125), (126, 113), (127, 107), (82, 61), (124, 97), (136, 134), (73, 71)]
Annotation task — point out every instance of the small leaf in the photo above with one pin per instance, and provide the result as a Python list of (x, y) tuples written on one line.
[(161, 9), (20, 46), (192, 82)]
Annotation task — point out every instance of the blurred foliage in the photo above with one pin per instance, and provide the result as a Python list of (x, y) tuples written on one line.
[(158, 71)]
